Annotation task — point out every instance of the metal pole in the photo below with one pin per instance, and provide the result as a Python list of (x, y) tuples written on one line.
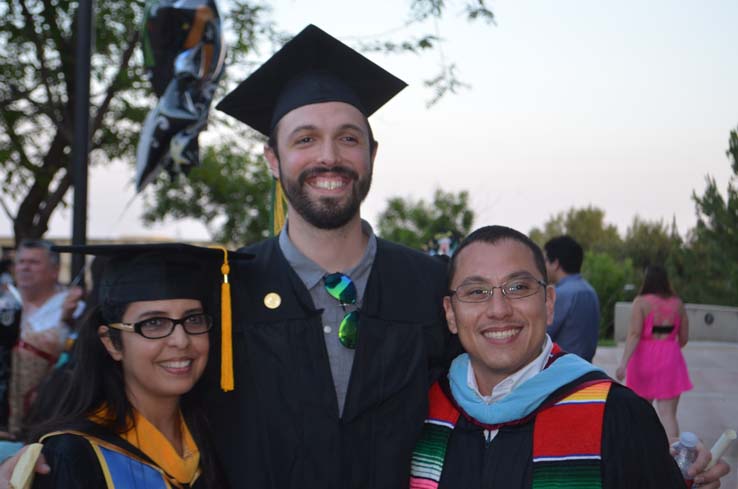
[(81, 143)]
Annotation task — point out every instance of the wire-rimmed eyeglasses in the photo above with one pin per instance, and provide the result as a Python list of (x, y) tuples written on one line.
[(518, 288)]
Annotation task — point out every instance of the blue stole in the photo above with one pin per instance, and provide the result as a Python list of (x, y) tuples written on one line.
[(525, 398)]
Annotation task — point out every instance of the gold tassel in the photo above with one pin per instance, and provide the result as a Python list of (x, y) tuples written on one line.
[(226, 325), (278, 208)]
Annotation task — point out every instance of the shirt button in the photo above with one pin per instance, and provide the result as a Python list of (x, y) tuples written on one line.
[(327, 329)]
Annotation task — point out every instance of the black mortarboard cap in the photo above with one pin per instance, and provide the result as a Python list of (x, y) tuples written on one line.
[(311, 68), (161, 271)]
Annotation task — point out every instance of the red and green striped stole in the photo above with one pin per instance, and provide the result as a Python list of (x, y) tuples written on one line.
[(430, 452), (567, 440)]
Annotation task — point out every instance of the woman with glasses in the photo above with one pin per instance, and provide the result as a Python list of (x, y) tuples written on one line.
[(658, 331), (132, 416)]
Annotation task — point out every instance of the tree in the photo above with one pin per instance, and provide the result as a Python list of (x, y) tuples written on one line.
[(37, 83), (650, 243), (712, 256), (609, 277), (229, 192), (415, 223), (586, 225)]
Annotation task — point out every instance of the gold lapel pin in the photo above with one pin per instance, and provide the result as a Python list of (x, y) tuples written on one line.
[(272, 300)]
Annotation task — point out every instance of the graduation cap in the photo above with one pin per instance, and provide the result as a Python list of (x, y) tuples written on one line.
[(162, 271), (313, 67)]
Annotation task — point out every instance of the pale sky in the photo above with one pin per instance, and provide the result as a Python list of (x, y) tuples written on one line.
[(622, 105)]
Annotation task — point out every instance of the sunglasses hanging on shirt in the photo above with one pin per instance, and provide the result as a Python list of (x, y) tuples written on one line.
[(342, 288)]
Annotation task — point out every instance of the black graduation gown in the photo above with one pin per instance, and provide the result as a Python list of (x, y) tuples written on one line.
[(280, 428), (74, 464), (634, 449)]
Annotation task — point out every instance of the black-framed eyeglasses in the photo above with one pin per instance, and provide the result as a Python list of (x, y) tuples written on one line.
[(342, 288), (161, 327), (518, 288)]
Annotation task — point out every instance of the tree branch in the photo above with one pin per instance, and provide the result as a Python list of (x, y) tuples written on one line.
[(41, 53), (52, 200), (26, 223), (6, 209), (113, 87), (17, 143)]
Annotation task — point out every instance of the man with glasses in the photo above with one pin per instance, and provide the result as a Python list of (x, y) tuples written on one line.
[(48, 310), (337, 334), (517, 411)]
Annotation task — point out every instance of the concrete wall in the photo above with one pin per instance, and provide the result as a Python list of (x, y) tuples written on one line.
[(706, 322)]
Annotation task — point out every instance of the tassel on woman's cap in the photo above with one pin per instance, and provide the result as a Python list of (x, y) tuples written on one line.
[(226, 327)]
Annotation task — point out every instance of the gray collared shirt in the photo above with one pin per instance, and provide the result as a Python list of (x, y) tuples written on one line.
[(341, 358)]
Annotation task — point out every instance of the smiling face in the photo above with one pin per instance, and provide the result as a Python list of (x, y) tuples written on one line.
[(325, 162), (164, 368), (501, 335)]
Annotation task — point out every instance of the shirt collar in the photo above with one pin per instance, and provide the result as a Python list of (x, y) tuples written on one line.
[(310, 272), (570, 277), (509, 383)]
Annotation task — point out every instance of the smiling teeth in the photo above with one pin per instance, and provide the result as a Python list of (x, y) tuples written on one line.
[(328, 184), (179, 364), (501, 335)]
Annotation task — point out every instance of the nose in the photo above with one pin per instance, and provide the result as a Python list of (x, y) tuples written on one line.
[(179, 337), (498, 306), (329, 153)]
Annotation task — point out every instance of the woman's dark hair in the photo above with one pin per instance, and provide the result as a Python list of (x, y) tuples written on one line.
[(93, 379), (656, 282)]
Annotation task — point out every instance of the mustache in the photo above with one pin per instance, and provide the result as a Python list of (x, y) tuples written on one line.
[(339, 170)]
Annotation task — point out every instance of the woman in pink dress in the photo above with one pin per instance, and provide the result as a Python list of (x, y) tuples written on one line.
[(653, 349)]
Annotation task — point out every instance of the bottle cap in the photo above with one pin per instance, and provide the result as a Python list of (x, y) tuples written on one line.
[(688, 439)]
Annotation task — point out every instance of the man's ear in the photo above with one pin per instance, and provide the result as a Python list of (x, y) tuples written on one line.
[(374, 152), (550, 301), (450, 315), (103, 332), (272, 159)]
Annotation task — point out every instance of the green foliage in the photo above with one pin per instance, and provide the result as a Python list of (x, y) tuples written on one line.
[(586, 225), (609, 278), (711, 261), (415, 223), (229, 192), (650, 243)]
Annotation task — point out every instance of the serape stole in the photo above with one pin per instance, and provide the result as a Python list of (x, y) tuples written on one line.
[(430, 452), (567, 439)]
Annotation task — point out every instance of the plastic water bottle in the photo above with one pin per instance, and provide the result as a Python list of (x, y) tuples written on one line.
[(686, 453)]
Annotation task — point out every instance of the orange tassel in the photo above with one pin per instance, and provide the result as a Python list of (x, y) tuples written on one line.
[(226, 325)]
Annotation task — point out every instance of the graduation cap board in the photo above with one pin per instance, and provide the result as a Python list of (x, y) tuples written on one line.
[(313, 67), (149, 272)]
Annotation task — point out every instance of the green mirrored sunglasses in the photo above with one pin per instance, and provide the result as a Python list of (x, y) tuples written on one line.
[(342, 288)]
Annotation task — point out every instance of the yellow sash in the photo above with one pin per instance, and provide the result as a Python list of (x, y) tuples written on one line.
[(154, 444)]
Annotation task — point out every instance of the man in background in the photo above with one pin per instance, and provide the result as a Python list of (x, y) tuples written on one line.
[(576, 323), (48, 310)]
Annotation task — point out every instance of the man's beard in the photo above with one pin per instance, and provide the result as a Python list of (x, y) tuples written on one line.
[(326, 212)]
